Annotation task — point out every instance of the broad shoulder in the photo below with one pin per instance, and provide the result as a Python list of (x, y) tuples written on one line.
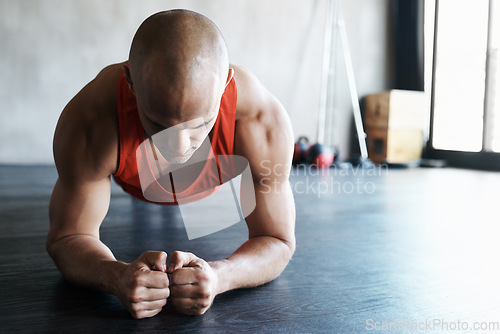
[(263, 132), (86, 136)]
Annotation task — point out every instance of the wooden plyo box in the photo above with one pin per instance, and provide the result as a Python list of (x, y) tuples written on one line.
[(394, 124)]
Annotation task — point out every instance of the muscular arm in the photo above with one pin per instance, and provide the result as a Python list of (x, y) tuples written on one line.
[(85, 152), (80, 198), (77, 208), (264, 137)]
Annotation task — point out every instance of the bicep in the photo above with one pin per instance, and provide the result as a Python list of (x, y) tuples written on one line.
[(81, 195), (78, 208), (265, 139)]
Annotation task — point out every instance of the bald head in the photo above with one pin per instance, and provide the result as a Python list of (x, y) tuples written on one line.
[(178, 50), (178, 69)]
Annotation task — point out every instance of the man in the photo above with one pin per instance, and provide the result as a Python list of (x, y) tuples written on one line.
[(178, 73)]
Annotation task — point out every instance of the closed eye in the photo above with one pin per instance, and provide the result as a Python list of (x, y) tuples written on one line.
[(201, 125), (205, 124)]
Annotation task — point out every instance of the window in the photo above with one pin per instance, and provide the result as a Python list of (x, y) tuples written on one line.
[(465, 115)]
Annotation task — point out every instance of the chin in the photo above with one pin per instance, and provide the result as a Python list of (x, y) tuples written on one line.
[(179, 159)]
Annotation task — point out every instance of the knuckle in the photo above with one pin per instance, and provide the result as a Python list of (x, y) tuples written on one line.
[(139, 315), (135, 308), (205, 292), (135, 298), (201, 276), (202, 310), (203, 303), (137, 279)]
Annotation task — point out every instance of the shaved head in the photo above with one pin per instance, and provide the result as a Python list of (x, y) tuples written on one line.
[(178, 66)]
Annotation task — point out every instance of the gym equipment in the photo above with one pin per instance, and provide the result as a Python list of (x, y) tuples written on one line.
[(299, 152), (335, 24), (320, 156)]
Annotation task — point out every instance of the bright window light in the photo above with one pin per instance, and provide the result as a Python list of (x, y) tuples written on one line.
[(459, 87)]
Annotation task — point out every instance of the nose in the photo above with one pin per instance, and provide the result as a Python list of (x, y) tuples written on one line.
[(179, 142)]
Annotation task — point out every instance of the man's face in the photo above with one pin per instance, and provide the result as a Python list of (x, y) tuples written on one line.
[(178, 119), (177, 143)]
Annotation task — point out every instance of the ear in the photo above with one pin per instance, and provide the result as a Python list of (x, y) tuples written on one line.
[(230, 75), (126, 71)]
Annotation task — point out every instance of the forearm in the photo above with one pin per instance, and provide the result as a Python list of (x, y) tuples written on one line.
[(85, 260), (257, 261)]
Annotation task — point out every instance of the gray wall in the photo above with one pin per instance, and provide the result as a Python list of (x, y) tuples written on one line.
[(49, 49)]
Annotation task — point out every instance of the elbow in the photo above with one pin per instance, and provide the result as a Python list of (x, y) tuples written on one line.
[(52, 243), (50, 246), (289, 244)]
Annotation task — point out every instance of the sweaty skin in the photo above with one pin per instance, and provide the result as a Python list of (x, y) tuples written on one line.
[(191, 77)]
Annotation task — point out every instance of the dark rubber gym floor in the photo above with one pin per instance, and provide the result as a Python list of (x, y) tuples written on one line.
[(406, 247)]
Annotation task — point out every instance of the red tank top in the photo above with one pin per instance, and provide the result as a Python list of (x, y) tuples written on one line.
[(131, 135)]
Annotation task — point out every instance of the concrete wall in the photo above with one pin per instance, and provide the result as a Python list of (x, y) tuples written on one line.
[(49, 49)]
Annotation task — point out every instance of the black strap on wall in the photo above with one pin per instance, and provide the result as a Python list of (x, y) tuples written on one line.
[(408, 33)]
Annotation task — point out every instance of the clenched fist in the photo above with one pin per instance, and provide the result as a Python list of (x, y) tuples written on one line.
[(143, 287), (194, 283)]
